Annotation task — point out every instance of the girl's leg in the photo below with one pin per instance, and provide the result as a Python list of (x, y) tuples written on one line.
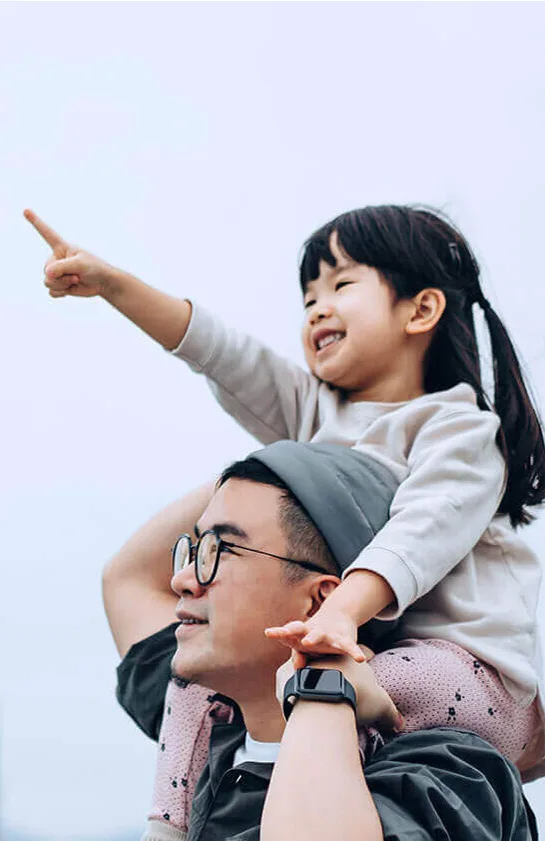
[(189, 710), (189, 714), (436, 684)]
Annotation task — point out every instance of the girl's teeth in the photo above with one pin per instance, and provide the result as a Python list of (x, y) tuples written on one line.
[(329, 340)]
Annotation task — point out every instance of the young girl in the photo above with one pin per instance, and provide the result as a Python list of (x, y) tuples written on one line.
[(389, 337)]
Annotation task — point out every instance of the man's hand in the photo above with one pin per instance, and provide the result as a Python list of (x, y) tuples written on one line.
[(373, 704), (327, 632), (69, 270)]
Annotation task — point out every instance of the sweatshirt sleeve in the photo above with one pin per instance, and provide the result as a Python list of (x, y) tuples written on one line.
[(265, 393), (440, 511)]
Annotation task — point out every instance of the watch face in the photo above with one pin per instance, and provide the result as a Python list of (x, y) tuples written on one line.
[(324, 681), (315, 684)]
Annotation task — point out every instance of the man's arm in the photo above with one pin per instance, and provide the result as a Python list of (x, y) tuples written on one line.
[(136, 582), (439, 783), (319, 761), (318, 791)]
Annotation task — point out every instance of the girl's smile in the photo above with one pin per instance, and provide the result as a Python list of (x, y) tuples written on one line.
[(354, 331)]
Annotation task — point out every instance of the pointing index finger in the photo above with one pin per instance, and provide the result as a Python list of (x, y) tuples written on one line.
[(50, 236)]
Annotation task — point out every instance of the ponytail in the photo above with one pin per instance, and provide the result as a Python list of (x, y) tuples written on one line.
[(520, 437)]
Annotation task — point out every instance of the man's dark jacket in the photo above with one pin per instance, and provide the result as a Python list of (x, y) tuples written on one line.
[(432, 785)]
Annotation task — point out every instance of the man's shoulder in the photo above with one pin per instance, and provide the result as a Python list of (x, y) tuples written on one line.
[(448, 783), (143, 676), (449, 755)]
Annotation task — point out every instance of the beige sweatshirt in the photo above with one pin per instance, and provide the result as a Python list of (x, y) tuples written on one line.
[(459, 572)]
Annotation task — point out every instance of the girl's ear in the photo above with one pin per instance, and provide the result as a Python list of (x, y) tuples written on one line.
[(428, 307)]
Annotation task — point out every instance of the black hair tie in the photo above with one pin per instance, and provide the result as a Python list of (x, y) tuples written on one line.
[(455, 255)]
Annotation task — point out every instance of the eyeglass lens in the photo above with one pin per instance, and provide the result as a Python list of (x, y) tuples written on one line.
[(182, 554), (206, 556)]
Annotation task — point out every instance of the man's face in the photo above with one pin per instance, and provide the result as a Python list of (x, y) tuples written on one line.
[(230, 653)]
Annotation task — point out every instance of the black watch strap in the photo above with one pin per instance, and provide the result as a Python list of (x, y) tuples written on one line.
[(314, 684)]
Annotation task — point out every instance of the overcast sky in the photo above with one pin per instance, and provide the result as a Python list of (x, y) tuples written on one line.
[(197, 145)]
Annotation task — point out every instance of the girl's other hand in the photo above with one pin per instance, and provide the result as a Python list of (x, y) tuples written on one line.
[(327, 633)]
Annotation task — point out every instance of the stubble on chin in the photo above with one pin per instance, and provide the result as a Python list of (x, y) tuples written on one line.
[(182, 673)]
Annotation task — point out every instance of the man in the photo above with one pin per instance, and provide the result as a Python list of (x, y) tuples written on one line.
[(250, 575)]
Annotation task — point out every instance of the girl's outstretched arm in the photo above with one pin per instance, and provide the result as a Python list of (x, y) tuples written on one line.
[(74, 272), (269, 396)]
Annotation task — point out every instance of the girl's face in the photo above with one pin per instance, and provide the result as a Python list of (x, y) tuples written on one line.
[(354, 330)]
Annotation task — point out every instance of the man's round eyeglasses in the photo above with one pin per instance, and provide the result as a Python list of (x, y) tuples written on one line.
[(207, 552)]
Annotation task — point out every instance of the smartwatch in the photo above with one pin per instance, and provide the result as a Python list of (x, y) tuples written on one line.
[(328, 685)]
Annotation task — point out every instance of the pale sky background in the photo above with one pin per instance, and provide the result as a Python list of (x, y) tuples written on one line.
[(197, 145)]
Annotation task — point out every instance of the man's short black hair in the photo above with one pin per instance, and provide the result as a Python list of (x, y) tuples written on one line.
[(304, 541)]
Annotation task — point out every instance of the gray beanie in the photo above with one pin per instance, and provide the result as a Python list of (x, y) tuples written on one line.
[(346, 493)]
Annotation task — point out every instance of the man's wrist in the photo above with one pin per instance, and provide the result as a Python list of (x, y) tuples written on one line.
[(318, 685), (342, 662), (315, 711)]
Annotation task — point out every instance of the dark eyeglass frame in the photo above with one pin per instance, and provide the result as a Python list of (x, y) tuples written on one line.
[(194, 551)]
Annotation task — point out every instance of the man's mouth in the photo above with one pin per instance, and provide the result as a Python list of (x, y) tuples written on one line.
[(188, 627), (193, 622)]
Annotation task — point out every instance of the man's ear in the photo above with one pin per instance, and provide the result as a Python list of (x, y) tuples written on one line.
[(427, 308), (321, 589)]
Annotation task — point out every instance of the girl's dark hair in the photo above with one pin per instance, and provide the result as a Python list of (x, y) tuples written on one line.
[(415, 248)]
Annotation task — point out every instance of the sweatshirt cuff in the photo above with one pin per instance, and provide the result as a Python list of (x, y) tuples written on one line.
[(394, 570), (198, 345)]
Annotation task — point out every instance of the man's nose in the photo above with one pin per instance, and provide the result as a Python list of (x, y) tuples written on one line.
[(185, 582)]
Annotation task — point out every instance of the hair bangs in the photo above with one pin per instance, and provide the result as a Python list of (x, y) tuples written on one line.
[(363, 235)]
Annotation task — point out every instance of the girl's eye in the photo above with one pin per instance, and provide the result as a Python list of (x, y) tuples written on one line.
[(342, 283), (308, 304)]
